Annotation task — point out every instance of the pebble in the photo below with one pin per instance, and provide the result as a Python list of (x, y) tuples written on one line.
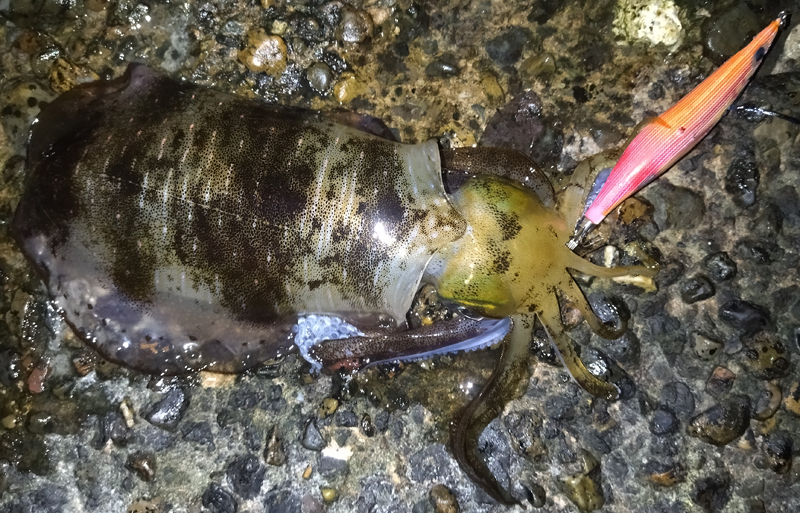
[(328, 494), (347, 88), (492, 89), (697, 289), (741, 180), (778, 451), (219, 500), (143, 464), (768, 402), (712, 493), (792, 399), (663, 422), (705, 347), (744, 316), (198, 432), (274, 453), (319, 77), (169, 411), (113, 427), (367, 427), (345, 418), (38, 376), (720, 381), (10, 367), (328, 408), (678, 398), (264, 53), (355, 26), (720, 267), (540, 65), (765, 356), (246, 474), (723, 422), (312, 438), (582, 488), (444, 66), (506, 49), (443, 499), (665, 474), (728, 31)]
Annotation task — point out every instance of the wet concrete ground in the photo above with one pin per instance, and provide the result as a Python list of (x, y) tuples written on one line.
[(712, 353)]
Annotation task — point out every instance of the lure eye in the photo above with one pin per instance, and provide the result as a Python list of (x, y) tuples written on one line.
[(760, 54)]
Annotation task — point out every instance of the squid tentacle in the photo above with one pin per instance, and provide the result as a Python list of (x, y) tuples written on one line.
[(512, 370), (606, 331), (582, 265), (563, 345)]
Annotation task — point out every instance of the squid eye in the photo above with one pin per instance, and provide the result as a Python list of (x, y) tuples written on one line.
[(760, 54)]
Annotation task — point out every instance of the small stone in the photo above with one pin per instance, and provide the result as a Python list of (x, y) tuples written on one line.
[(10, 367), (38, 376), (443, 499), (143, 464), (355, 26), (264, 53), (274, 453), (367, 427), (312, 438), (328, 408), (347, 88), (663, 422), (345, 418), (720, 267), (444, 66), (729, 30), (778, 450), (582, 488), (491, 88), (765, 356), (540, 65), (678, 398), (742, 179), (84, 363), (64, 76), (506, 49), (537, 496), (744, 316), (720, 381), (246, 474), (319, 77), (266, 4), (722, 423), (169, 411), (712, 493), (665, 475), (307, 472), (792, 399), (696, 289), (328, 494), (219, 500), (768, 402), (705, 347), (198, 432)]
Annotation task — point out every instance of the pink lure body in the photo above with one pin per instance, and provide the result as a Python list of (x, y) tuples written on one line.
[(667, 138)]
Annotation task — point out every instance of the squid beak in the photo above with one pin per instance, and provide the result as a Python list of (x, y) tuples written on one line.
[(664, 140)]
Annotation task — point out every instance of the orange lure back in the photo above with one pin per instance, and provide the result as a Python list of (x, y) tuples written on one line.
[(667, 138)]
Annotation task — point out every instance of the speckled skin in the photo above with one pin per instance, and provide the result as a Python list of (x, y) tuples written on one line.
[(179, 228)]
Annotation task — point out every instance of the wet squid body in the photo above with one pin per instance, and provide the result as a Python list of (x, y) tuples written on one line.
[(179, 229)]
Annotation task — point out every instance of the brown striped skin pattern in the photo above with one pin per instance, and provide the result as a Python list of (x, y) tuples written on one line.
[(180, 228)]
